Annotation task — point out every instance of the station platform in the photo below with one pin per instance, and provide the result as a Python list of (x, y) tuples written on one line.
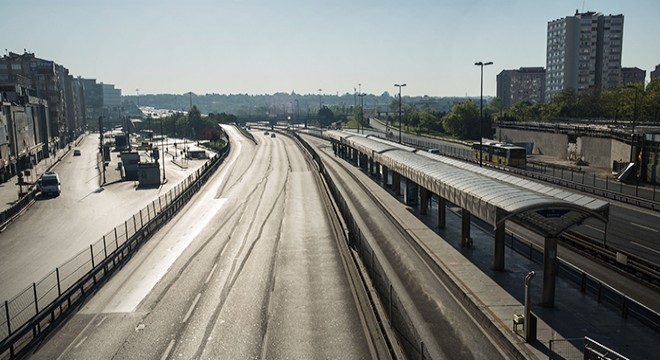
[(560, 329)]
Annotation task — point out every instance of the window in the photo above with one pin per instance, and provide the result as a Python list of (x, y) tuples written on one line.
[(16, 66)]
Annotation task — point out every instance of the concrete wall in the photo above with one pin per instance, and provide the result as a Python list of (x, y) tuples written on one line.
[(544, 143), (620, 151), (598, 152)]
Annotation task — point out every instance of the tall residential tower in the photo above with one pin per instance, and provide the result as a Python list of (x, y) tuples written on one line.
[(583, 51)]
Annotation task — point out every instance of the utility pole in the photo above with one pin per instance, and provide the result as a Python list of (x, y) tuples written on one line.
[(399, 86), (481, 116)]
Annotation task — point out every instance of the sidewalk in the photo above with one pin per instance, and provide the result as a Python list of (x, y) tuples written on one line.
[(9, 190), (500, 294)]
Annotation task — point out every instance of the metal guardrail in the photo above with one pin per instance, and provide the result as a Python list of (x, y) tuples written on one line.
[(409, 340), (638, 268), (34, 311), (590, 285)]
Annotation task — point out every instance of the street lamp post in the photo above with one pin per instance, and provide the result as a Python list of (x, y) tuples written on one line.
[(162, 148), (634, 120), (399, 86), (361, 117), (481, 115)]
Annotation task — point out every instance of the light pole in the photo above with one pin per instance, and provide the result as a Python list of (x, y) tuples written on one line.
[(399, 86), (634, 120), (361, 117), (101, 148), (162, 148), (481, 116)]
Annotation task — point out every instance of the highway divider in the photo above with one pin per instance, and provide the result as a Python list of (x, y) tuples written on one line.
[(37, 310)]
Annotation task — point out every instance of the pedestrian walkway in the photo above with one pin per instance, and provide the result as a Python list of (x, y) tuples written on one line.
[(500, 294), (9, 190)]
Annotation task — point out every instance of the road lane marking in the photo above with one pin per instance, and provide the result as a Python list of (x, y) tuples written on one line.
[(166, 354), (208, 278), (645, 247), (595, 228), (644, 227), (192, 307), (80, 343), (101, 322)]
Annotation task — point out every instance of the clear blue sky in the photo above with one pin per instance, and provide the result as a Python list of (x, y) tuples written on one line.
[(267, 46)]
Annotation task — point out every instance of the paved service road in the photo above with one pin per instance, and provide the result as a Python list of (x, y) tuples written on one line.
[(251, 268), (55, 229)]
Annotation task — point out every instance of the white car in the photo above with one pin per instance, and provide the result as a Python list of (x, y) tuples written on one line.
[(49, 184)]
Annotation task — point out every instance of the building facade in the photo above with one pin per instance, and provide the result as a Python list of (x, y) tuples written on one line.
[(655, 73), (50, 82), (632, 75), (583, 52), (526, 83)]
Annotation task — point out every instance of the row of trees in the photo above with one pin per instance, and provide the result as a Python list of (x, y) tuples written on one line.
[(620, 104), (195, 126)]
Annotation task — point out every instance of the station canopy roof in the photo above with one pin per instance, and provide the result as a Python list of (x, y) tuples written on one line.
[(491, 195)]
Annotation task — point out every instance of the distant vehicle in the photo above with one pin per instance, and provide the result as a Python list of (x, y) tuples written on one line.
[(266, 133), (502, 154), (49, 184), (76, 152), (434, 151), (272, 135), (196, 154)]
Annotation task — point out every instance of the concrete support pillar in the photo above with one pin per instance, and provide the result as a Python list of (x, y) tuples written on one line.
[(386, 176), (550, 269), (411, 193), (396, 183), (498, 262), (465, 228), (442, 212), (423, 200)]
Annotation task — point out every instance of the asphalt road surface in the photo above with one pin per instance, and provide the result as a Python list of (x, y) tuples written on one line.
[(249, 269), (55, 229)]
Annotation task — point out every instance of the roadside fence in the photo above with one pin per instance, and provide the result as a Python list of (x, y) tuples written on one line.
[(35, 310), (590, 285)]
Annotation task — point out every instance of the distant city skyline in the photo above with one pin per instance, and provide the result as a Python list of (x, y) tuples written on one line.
[(265, 47)]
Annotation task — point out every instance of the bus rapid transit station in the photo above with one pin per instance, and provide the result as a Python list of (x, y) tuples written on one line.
[(492, 196)]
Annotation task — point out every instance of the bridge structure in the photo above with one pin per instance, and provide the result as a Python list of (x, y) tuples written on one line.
[(492, 196), (278, 119)]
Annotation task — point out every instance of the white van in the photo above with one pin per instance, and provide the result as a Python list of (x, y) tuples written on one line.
[(49, 184)]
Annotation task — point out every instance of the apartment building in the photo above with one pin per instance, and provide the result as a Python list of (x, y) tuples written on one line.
[(583, 51), (526, 83), (632, 75)]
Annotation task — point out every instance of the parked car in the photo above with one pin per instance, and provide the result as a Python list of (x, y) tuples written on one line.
[(76, 152), (272, 135)]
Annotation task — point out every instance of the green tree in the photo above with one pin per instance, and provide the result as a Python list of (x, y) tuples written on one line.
[(463, 120), (326, 116)]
